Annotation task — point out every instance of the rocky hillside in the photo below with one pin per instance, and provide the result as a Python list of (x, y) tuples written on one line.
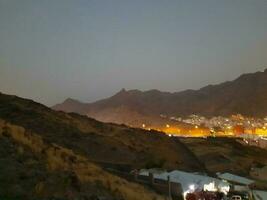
[(100, 142), (38, 169), (40, 146), (48, 154), (244, 95)]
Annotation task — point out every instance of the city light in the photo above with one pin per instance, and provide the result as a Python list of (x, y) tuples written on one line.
[(200, 126)]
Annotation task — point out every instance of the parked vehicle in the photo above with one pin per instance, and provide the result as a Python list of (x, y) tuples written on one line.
[(234, 195)]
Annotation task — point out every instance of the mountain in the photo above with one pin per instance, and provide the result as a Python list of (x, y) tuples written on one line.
[(101, 142), (47, 154), (244, 95)]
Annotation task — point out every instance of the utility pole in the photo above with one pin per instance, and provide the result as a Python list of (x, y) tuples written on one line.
[(169, 188)]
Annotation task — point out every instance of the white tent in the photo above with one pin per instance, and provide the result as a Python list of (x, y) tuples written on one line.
[(189, 181), (235, 178)]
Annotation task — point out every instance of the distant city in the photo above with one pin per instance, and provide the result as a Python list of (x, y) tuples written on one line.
[(235, 125)]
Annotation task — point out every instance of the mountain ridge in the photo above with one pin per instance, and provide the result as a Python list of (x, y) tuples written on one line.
[(53, 146), (243, 95)]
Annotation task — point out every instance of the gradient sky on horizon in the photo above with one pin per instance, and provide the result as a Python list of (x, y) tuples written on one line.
[(90, 49)]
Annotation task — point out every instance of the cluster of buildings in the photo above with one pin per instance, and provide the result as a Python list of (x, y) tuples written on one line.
[(202, 186), (233, 125)]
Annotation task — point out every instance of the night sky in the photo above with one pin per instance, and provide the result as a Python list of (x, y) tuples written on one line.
[(88, 50)]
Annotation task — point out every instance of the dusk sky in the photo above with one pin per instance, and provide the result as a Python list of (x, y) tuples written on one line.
[(88, 50)]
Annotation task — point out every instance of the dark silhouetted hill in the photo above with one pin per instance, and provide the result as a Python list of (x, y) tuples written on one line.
[(245, 95)]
